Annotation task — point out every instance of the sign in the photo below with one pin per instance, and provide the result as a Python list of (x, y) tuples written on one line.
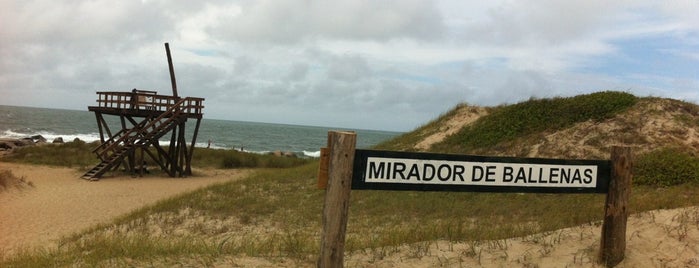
[(389, 170)]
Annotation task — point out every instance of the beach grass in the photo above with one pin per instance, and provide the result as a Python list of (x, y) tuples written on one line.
[(220, 158), (8, 180), (276, 214), (78, 154), (508, 122), (74, 154)]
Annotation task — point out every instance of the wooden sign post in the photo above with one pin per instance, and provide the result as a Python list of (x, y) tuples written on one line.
[(341, 147), (343, 168)]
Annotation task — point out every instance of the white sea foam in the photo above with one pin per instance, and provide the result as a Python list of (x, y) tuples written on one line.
[(50, 136), (312, 154)]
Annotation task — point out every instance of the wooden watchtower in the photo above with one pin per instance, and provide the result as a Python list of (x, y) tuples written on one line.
[(146, 118)]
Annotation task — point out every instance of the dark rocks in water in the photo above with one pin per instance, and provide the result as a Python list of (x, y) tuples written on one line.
[(58, 140), (38, 139)]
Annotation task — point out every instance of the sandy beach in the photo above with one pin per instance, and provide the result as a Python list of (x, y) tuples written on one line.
[(60, 203)]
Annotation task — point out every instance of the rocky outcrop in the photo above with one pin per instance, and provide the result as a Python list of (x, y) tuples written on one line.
[(8, 145)]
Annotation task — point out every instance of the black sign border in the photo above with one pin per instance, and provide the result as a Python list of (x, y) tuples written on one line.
[(604, 170)]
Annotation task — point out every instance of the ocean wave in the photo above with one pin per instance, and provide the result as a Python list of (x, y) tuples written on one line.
[(92, 137), (50, 136), (315, 154)]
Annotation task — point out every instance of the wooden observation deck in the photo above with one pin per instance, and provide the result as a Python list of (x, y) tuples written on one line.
[(145, 118)]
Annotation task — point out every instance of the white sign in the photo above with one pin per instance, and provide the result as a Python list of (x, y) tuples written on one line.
[(444, 172)]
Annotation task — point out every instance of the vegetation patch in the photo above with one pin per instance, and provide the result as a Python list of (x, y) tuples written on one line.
[(506, 123), (219, 158), (78, 154), (8, 180), (666, 167)]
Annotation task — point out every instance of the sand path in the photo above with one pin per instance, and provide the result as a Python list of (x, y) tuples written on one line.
[(60, 203)]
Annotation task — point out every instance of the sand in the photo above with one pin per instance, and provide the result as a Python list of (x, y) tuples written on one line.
[(663, 238), (464, 116), (60, 203)]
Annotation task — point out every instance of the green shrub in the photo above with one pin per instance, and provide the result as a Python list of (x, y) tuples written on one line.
[(536, 115), (70, 154), (666, 167), (79, 154), (219, 158)]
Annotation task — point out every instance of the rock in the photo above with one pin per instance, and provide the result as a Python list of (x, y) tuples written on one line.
[(26, 141), (38, 139), (277, 153), (289, 154), (58, 140)]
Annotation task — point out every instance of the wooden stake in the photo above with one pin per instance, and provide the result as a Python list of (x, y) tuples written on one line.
[(323, 168), (613, 241), (337, 197)]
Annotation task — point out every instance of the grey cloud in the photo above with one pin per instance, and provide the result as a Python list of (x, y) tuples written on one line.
[(547, 23), (348, 68), (292, 21), (298, 71)]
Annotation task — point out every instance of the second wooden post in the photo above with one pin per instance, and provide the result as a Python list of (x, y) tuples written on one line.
[(613, 241)]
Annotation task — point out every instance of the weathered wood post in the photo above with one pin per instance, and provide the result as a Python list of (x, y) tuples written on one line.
[(613, 241), (172, 71), (337, 197)]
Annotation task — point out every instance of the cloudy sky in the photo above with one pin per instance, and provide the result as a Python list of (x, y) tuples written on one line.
[(390, 65)]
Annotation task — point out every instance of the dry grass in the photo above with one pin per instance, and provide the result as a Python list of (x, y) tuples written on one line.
[(9, 181)]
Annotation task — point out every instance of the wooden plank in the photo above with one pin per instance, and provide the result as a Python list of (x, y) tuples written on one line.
[(613, 241), (337, 197)]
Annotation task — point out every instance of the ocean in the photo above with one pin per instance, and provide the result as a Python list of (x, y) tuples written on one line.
[(21, 122)]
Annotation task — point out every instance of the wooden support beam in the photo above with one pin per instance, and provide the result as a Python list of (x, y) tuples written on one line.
[(188, 169), (613, 241), (98, 116), (172, 71), (182, 149), (337, 197)]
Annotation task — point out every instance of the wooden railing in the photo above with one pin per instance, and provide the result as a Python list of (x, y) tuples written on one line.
[(147, 100)]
